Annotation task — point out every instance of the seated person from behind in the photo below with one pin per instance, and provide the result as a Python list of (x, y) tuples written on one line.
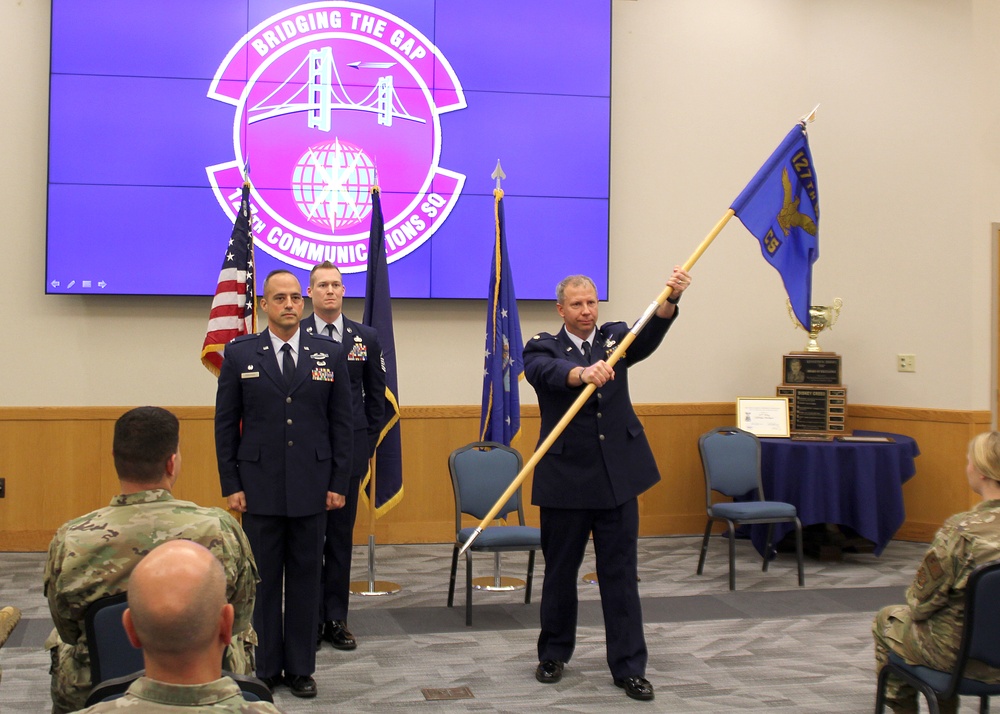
[(179, 616), (93, 556), (927, 630)]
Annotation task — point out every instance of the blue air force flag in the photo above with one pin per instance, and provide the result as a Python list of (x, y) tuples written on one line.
[(780, 206), (501, 415)]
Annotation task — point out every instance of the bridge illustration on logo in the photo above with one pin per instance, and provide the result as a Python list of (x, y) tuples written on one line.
[(319, 97), (372, 89)]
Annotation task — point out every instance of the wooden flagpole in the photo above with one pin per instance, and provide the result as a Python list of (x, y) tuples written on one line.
[(589, 388)]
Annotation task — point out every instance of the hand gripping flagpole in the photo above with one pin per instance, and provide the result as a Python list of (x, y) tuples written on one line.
[(589, 388)]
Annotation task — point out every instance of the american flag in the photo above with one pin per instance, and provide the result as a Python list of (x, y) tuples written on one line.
[(233, 312)]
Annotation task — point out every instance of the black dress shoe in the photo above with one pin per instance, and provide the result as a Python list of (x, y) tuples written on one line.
[(336, 633), (636, 687), (301, 685), (271, 682), (549, 671)]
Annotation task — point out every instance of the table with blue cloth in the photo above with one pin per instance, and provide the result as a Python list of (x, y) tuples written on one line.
[(854, 484)]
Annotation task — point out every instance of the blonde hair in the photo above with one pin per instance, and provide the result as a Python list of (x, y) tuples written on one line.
[(984, 453)]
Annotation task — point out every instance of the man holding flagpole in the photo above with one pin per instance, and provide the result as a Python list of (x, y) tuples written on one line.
[(589, 480)]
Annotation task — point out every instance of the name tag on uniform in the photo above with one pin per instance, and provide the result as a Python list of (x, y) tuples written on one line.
[(250, 375), (322, 375)]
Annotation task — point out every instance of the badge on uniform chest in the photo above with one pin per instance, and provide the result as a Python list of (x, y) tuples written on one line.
[(358, 353), (322, 374)]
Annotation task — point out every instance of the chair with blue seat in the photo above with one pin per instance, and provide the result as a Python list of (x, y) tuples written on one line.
[(115, 663), (980, 642), (111, 653), (480, 474), (730, 460)]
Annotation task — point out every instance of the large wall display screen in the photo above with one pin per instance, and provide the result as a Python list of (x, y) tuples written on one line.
[(156, 107)]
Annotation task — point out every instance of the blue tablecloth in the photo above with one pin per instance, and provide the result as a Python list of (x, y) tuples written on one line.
[(858, 485)]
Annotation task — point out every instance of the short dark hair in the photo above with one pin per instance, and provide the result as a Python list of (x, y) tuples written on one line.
[(145, 439), (276, 271)]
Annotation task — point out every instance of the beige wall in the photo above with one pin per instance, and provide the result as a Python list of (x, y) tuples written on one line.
[(909, 167)]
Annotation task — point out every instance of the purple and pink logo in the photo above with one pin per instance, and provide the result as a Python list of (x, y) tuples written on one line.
[(332, 98)]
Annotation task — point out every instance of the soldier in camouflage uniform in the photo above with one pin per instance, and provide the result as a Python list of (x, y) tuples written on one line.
[(928, 628), (92, 556), (179, 616)]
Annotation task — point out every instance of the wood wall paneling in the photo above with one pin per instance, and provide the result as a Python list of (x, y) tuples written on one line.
[(58, 465)]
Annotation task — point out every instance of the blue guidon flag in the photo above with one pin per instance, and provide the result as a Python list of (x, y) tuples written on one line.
[(780, 206), (501, 416), (378, 314)]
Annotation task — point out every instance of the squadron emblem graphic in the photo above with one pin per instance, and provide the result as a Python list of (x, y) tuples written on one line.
[(332, 98)]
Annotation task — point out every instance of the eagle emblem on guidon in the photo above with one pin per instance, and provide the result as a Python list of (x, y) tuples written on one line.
[(332, 98)]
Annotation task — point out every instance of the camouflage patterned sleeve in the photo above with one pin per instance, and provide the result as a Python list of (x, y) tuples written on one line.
[(67, 626), (242, 574), (936, 575)]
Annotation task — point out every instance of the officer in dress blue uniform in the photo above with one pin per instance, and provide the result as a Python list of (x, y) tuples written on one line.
[(590, 477), (367, 372), (284, 441)]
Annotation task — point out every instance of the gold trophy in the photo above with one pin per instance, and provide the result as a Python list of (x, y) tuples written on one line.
[(821, 317)]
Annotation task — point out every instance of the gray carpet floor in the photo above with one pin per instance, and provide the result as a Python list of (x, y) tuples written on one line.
[(768, 646)]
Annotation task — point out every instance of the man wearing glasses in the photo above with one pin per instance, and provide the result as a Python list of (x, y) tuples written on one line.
[(284, 434)]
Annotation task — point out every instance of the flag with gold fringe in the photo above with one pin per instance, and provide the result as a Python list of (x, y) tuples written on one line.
[(501, 412), (378, 314), (233, 311)]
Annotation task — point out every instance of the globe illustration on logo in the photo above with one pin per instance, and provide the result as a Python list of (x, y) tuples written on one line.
[(331, 184)]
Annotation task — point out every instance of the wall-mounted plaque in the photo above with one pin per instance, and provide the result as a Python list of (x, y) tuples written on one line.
[(811, 368)]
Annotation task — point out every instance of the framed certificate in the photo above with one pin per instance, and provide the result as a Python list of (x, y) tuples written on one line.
[(763, 416)]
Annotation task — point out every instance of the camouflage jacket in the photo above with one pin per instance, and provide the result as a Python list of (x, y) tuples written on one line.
[(936, 596), (148, 695), (92, 556)]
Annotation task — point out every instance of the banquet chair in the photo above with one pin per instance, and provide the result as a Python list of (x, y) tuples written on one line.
[(480, 474), (111, 653), (730, 460), (980, 641)]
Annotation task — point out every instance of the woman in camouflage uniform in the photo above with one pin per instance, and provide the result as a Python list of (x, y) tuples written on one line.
[(927, 630)]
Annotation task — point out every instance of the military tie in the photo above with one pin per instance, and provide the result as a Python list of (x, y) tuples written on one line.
[(287, 364), (586, 351), (332, 331)]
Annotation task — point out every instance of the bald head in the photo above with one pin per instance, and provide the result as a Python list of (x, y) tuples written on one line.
[(176, 597)]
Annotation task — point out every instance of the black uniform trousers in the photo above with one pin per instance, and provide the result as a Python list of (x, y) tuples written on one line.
[(337, 549), (288, 552), (564, 539)]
